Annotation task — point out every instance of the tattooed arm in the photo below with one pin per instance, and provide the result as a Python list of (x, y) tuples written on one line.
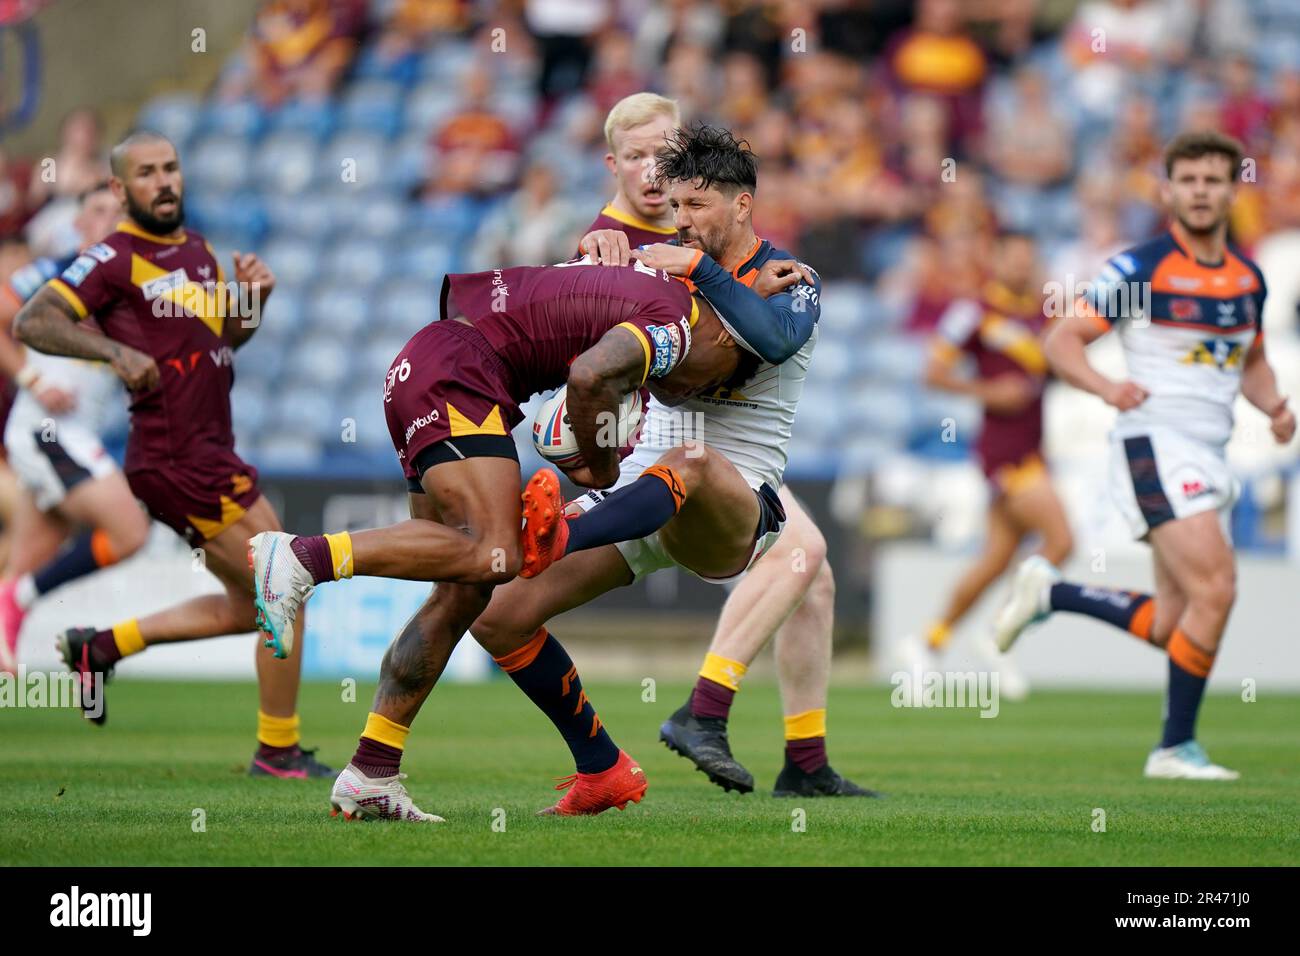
[(598, 380), (49, 324)]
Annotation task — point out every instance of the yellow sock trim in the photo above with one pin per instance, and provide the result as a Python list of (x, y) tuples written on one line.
[(380, 728), (277, 731), (939, 635), (722, 671), (811, 723), (128, 638), (340, 554)]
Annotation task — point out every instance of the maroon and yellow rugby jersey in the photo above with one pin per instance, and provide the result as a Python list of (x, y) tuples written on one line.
[(538, 319), (1002, 331), (639, 232), (165, 296)]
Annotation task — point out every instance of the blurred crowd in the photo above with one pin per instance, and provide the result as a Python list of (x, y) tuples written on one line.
[(895, 138)]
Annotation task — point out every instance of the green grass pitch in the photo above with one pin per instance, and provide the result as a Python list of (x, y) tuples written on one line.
[(1021, 788)]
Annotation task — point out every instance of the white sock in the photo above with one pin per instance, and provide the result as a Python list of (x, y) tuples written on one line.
[(25, 592)]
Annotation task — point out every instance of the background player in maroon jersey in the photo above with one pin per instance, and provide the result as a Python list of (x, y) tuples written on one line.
[(451, 399), (170, 331), (1001, 330)]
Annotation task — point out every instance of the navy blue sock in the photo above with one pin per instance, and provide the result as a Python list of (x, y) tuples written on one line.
[(1186, 689), (1130, 611), (74, 561), (640, 509), (544, 671)]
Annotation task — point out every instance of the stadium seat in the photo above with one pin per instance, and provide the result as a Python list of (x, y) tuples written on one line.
[(235, 118), (426, 255), (307, 216), (374, 105), (357, 159), (356, 260), (341, 308), (408, 304), (446, 61), (220, 163), (285, 162), (411, 161), (288, 451), (175, 115), (429, 104), (294, 261), (315, 118)]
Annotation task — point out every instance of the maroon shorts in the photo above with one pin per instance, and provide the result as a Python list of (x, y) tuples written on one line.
[(447, 397), (200, 499)]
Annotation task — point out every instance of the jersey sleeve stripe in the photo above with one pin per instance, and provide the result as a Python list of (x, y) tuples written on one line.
[(74, 300), (645, 345)]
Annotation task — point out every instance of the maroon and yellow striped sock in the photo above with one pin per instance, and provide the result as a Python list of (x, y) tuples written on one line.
[(805, 739), (379, 751)]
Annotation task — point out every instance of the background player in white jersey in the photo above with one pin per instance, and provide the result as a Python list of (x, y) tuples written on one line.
[(52, 439), (700, 489), (1187, 308), (790, 593)]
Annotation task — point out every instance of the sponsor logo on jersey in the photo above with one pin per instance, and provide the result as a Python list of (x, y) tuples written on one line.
[(666, 348), (1227, 313), (1221, 353), (101, 251), (421, 421), (1185, 310), (1186, 283), (163, 284), (76, 273), (1196, 489)]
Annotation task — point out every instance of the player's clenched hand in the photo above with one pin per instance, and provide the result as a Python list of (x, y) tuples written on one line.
[(583, 477), (609, 247), (777, 275), (1282, 421), (138, 372), (252, 271), (1125, 395), (675, 260), (54, 399)]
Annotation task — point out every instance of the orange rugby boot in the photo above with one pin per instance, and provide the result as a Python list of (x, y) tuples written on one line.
[(546, 531), (592, 793)]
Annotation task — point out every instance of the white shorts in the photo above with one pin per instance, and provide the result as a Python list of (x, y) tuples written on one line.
[(1160, 475), (50, 460), (647, 555)]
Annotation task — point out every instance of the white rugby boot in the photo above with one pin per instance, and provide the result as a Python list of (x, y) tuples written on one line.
[(1187, 761), (281, 586), (359, 797), (1028, 601)]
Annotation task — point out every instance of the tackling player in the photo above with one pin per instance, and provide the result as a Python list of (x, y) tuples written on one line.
[(52, 439), (791, 592), (451, 399), (1187, 308), (170, 329), (1001, 330)]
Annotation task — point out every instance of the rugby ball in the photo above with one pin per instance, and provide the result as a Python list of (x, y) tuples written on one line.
[(553, 434)]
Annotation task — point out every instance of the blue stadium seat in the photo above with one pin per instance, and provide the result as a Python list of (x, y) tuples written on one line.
[(304, 215), (377, 357), (285, 162), (380, 217), (239, 118), (322, 361), (239, 216), (356, 160), (294, 261), (426, 256), (315, 118), (411, 161), (429, 105), (175, 115), (446, 60), (288, 451), (250, 406), (341, 308), (356, 260), (406, 304), (219, 163), (374, 105)]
